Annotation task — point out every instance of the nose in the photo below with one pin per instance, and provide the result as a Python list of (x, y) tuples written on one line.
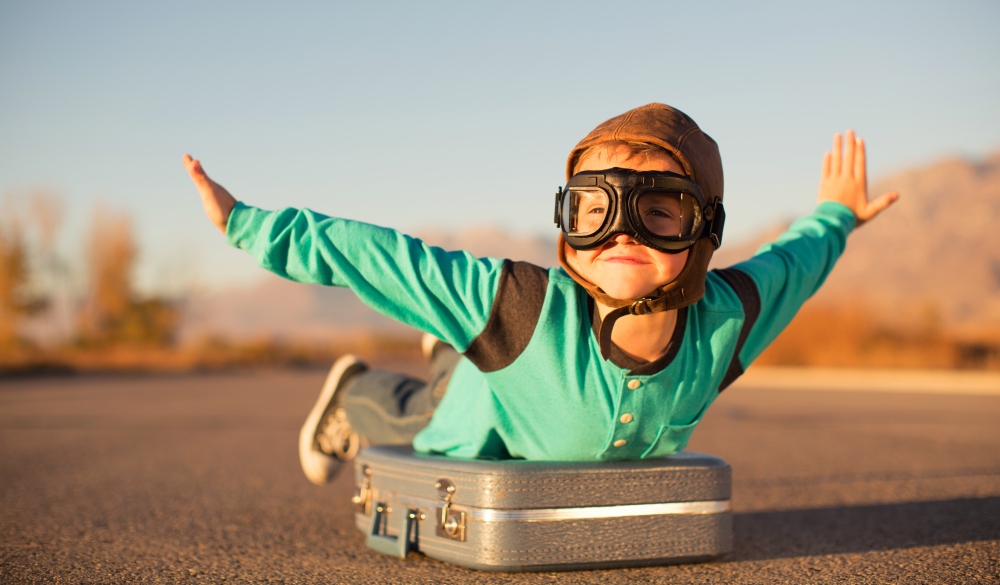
[(624, 238), (620, 239)]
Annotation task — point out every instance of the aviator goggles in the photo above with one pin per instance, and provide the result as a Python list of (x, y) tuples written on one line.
[(662, 210)]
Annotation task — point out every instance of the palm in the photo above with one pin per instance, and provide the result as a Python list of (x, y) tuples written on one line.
[(844, 179)]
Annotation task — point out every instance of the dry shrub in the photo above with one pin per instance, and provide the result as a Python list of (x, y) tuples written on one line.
[(218, 352), (852, 336), (210, 353)]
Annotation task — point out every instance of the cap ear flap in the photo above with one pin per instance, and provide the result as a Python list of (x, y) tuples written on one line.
[(689, 286)]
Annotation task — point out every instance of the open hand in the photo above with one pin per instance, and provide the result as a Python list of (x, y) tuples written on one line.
[(217, 201), (844, 179)]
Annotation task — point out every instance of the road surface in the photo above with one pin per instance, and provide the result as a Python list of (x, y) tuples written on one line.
[(195, 479)]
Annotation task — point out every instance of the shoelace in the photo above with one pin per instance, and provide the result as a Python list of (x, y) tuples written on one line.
[(336, 437)]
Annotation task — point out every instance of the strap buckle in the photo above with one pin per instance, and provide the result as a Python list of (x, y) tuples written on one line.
[(717, 216), (641, 307)]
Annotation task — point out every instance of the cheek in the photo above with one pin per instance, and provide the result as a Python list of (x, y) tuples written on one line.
[(671, 264), (580, 260)]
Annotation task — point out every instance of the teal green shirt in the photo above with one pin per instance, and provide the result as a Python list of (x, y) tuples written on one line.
[(534, 384)]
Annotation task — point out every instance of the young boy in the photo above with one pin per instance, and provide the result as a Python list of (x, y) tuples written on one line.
[(615, 356)]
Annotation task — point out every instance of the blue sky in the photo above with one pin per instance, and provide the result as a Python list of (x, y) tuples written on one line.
[(456, 114)]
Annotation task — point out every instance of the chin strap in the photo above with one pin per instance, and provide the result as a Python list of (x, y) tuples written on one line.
[(686, 289)]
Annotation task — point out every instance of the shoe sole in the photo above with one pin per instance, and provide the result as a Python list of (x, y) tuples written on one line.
[(319, 467)]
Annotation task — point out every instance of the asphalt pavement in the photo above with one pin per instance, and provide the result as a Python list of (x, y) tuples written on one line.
[(195, 479)]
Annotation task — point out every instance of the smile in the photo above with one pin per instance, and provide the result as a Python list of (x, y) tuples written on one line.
[(629, 260)]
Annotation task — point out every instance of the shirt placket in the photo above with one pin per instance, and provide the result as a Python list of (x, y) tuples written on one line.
[(624, 438)]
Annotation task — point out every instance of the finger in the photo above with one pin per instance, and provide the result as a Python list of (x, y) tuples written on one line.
[(189, 162), (195, 169), (877, 205), (860, 165), (849, 145), (826, 164), (838, 147)]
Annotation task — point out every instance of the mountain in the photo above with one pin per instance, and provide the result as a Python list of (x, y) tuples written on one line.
[(934, 255)]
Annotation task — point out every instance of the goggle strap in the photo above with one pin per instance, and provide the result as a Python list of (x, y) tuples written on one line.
[(607, 325), (718, 222), (558, 212)]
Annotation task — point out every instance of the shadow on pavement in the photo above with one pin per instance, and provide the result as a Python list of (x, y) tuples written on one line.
[(858, 529)]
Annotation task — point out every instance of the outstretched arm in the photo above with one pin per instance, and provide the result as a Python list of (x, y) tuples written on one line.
[(844, 179), (217, 201), (448, 294)]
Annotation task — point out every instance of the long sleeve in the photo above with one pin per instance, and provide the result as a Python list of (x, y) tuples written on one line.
[(448, 294), (789, 270)]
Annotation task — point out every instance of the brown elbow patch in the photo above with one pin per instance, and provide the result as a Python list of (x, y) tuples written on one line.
[(513, 317)]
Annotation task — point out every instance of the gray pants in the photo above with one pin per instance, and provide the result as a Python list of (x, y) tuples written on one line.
[(388, 408)]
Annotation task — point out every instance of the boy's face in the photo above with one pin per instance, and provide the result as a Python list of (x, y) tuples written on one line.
[(622, 267)]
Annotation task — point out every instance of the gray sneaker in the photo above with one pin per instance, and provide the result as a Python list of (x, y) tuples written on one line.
[(327, 439)]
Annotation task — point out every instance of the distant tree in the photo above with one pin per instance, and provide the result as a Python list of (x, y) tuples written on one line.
[(18, 297), (51, 272), (113, 312)]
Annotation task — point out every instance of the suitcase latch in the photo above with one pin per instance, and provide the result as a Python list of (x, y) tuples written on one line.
[(451, 523), (363, 499)]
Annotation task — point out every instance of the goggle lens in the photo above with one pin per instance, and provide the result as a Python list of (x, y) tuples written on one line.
[(584, 211), (669, 214)]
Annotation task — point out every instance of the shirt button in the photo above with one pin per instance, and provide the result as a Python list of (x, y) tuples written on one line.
[(634, 384), (626, 418), (620, 443)]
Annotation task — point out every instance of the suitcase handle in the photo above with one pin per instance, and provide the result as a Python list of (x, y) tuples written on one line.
[(394, 546)]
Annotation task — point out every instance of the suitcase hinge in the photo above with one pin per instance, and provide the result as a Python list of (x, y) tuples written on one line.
[(451, 523), (363, 499)]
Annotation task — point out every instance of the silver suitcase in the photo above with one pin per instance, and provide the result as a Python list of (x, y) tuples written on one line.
[(544, 516)]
